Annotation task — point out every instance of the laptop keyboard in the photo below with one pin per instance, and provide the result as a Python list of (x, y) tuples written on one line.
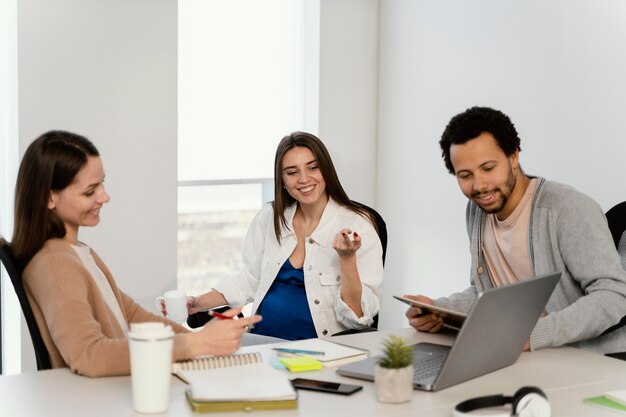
[(429, 367)]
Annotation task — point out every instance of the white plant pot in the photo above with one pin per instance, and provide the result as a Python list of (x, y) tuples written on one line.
[(394, 385)]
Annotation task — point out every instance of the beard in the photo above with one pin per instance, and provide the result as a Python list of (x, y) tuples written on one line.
[(504, 192)]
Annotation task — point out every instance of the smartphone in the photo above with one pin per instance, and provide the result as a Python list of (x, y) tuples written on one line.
[(325, 386)]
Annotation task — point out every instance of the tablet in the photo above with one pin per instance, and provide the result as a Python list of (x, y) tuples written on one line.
[(451, 318)]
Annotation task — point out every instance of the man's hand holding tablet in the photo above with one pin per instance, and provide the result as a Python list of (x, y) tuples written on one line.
[(424, 316)]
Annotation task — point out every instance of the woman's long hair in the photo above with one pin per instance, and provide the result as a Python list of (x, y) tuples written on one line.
[(50, 163), (282, 199)]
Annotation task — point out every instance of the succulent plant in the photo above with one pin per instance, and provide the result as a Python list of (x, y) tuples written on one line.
[(396, 353)]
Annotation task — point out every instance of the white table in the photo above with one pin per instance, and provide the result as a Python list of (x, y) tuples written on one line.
[(567, 375)]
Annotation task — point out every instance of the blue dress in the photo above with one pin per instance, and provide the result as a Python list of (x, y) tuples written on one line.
[(285, 308)]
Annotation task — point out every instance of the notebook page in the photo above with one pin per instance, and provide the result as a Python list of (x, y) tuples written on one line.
[(332, 351)]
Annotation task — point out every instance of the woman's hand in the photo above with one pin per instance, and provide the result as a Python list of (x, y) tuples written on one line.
[(163, 308), (351, 289), (431, 323), (192, 305), (222, 336), (346, 247)]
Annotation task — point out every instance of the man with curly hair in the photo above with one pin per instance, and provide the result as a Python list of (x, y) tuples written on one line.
[(521, 226)]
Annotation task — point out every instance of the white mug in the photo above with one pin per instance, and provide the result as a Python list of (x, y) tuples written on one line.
[(151, 346), (175, 304)]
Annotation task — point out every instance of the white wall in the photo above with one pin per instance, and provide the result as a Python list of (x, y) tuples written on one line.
[(107, 70), (556, 68), (348, 93), (8, 163)]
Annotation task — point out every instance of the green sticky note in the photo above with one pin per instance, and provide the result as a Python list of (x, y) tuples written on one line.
[(302, 364), (602, 401)]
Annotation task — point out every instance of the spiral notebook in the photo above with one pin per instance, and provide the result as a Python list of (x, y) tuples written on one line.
[(213, 362), (235, 382)]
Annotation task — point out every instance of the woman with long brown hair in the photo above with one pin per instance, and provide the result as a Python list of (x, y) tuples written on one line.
[(312, 258), (81, 313)]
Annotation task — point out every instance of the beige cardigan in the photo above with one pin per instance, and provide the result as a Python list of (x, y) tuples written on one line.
[(78, 328)]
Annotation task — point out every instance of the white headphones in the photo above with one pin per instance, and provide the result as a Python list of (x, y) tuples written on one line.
[(527, 402)]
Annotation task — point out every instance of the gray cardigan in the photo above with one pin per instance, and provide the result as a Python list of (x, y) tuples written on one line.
[(568, 232)]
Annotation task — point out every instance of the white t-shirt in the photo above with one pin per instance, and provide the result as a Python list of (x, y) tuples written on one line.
[(84, 253)]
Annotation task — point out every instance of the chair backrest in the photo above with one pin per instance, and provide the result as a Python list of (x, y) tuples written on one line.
[(381, 227), (616, 218), (41, 353)]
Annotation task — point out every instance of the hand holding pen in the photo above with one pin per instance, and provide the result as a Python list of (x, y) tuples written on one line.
[(346, 243), (221, 336), (220, 315), (223, 316)]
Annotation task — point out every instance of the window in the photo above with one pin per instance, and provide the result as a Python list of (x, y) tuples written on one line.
[(212, 221), (242, 76)]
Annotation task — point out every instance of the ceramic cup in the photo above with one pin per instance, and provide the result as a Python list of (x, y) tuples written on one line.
[(175, 304)]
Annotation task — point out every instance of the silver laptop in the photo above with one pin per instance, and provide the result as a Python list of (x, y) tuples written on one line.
[(492, 337)]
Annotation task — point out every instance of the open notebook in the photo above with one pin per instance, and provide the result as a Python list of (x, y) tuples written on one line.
[(235, 382)]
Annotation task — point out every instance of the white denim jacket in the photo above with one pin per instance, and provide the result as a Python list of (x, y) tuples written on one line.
[(263, 257)]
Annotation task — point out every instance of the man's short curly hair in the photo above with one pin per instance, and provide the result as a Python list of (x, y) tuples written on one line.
[(474, 121)]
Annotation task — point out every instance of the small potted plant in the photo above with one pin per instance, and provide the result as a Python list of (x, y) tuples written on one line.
[(394, 371)]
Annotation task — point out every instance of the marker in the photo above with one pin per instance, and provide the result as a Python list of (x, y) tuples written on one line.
[(299, 351), (219, 315), (225, 317)]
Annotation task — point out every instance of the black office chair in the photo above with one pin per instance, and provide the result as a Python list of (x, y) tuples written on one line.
[(616, 219), (41, 353), (381, 227)]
